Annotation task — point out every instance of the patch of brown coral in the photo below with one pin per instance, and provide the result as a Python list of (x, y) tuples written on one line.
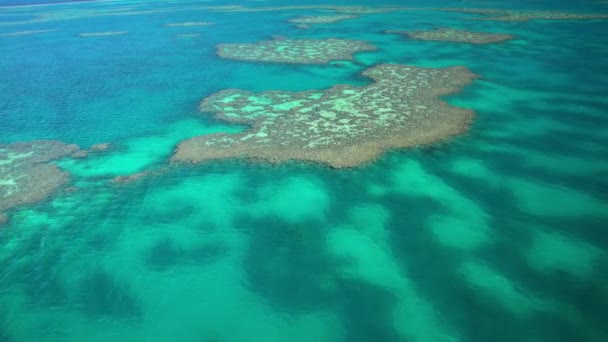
[(343, 126), (307, 21), (296, 51), (26, 176), (458, 36), (511, 15)]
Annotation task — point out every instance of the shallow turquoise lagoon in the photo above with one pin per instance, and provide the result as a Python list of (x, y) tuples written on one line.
[(499, 234)]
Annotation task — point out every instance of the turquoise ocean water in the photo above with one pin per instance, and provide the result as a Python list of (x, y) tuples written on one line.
[(496, 235)]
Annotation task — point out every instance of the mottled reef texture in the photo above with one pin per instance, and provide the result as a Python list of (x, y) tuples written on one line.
[(296, 51), (507, 15), (307, 21), (343, 126), (26, 177), (452, 35)]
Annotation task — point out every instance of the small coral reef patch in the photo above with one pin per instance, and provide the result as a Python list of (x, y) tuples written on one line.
[(26, 177), (296, 51), (367, 10), (130, 178), (343, 126), (508, 15), (307, 21), (458, 36)]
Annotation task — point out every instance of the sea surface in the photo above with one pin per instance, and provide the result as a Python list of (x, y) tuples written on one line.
[(499, 234)]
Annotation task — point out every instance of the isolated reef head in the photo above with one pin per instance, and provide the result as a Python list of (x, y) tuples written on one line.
[(307, 21), (453, 35), (296, 51), (26, 176), (343, 126)]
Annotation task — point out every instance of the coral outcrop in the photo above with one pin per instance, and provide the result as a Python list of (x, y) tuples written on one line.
[(307, 21), (296, 51), (458, 36), (510, 15), (343, 126), (26, 176)]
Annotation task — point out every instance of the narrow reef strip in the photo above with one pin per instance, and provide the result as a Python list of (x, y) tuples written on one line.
[(457, 36), (511, 15), (295, 51), (343, 126), (307, 21)]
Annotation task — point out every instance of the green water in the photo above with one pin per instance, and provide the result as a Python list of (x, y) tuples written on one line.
[(496, 235)]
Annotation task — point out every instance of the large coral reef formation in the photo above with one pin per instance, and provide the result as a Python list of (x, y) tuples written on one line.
[(343, 126), (26, 176), (295, 51), (512, 15), (457, 36)]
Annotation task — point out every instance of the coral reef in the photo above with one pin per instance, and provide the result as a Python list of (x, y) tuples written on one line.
[(130, 178), (297, 51), (459, 36), (26, 177), (306, 21), (100, 147), (80, 154), (509, 15), (94, 149), (343, 126)]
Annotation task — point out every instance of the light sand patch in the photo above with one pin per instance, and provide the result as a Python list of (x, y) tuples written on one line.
[(371, 260), (551, 252), (494, 285), (545, 199), (296, 200), (515, 298), (464, 226)]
